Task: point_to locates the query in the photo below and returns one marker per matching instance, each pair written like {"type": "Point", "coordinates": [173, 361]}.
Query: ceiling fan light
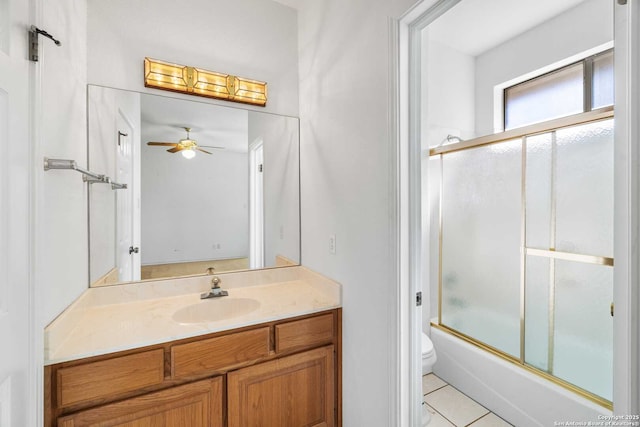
{"type": "Point", "coordinates": [188, 154]}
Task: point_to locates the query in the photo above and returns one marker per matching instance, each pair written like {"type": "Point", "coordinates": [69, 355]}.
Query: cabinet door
{"type": "Point", "coordinates": [197, 404]}
{"type": "Point", "coordinates": [293, 391]}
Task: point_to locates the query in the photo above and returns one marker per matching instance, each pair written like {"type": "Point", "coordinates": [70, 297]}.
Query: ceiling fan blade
{"type": "Point", "coordinates": [166, 144]}
{"type": "Point", "coordinates": [210, 146]}
{"type": "Point", "coordinates": [175, 149]}
{"type": "Point", "coordinates": [204, 151]}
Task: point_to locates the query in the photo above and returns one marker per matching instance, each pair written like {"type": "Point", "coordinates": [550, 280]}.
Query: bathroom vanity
{"type": "Point", "coordinates": [276, 365]}
{"type": "Point", "coordinates": [153, 353]}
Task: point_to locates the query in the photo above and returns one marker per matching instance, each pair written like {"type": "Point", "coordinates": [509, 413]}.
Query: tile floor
{"type": "Point", "coordinates": [451, 408]}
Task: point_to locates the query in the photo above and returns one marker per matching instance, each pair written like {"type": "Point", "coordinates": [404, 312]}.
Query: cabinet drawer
{"type": "Point", "coordinates": [304, 333]}
{"type": "Point", "coordinates": [196, 404]}
{"type": "Point", "coordinates": [109, 377]}
{"type": "Point", "coordinates": [220, 353]}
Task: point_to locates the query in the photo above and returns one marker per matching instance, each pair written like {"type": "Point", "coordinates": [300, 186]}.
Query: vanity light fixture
{"type": "Point", "coordinates": [196, 81]}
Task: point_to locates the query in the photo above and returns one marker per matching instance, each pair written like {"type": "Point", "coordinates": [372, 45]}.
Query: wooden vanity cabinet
{"type": "Point", "coordinates": [284, 373]}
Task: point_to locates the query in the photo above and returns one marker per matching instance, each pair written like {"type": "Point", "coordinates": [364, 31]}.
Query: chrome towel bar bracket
{"type": "Point", "coordinates": [87, 176]}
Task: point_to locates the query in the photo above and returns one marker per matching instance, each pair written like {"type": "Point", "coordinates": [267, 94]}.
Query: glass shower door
{"type": "Point", "coordinates": [481, 202]}
{"type": "Point", "coordinates": [526, 251]}
{"type": "Point", "coordinates": [569, 245]}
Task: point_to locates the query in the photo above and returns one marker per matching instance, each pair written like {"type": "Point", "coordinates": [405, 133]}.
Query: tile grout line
{"type": "Point", "coordinates": [477, 403]}
{"type": "Point", "coordinates": [424, 402]}
{"type": "Point", "coordinates": [442, 415]}
{"type": "Point", "coordinates": [444, 383]}
{"type": "Point", "coordinates": [448, 420]}
{"type": "Point", "coordinates": [435, 389]}
{"type": "Point", "coordinates": [478, 419]}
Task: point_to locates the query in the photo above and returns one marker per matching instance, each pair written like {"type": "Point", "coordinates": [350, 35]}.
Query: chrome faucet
{"type": "Point", "coordinates": [215, 291]}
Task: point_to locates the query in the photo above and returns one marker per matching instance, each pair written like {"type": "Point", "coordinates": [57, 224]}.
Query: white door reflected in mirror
{"type": "Point", "coordinates": [128, 263]}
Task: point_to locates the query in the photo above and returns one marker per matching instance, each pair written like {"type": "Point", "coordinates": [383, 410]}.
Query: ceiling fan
{"type": "Point", "coordinates": [187, 146]}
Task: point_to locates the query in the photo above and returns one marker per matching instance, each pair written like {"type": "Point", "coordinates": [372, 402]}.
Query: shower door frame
{"type": "Point", "coordinates": [522, 133]}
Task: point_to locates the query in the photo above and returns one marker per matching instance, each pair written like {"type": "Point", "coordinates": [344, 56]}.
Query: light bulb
{"type": "Point", "coordinates": [188, 154]}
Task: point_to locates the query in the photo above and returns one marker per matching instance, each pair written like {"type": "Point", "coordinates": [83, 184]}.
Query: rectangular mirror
{"type": "Point", "coordinates": [208, 186]}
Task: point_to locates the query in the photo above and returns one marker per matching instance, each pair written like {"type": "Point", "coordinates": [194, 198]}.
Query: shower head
{"type": "Point", "coordinates": [449, 139]}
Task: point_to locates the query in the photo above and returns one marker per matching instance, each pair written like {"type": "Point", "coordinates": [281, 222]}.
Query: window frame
{"type": "Point", "coordinates": [587, 84]}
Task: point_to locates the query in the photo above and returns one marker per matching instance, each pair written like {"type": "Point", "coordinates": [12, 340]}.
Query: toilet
{"type": "Point", "coordinates": [428, 355]}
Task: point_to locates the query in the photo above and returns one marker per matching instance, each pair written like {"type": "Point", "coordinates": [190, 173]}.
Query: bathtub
{"type": "Point", "coordinates": [517, 395]}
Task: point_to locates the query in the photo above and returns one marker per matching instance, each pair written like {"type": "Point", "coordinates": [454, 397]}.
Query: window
{"type": "Point", "coordinates": [575, 88]}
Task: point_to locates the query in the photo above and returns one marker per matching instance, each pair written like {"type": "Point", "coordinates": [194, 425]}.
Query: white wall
{"type": "Point", "coordinates": [249, 38]}
{"type": "Point", "coordinates": [448, 92]}
{"type": "Point", "coordinates": [347, 187]}
{"type": "Point", "coordinates": [281, 182]}
{"type": "Point", "coordinates": [61, 198]}
{"type": "Point", "coordinates": [584, 27]}
{"type": "Point", "coordinates": [193, 209]}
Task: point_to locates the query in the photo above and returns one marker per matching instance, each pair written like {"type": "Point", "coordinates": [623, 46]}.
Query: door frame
{"type": "Point", "coordinates": [405, 42]}
{"type": "Point", "coordinates": [626, 294]}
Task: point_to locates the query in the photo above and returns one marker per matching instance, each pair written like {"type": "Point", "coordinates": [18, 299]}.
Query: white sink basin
{"type": "Point", "coordinates": [213, 309]}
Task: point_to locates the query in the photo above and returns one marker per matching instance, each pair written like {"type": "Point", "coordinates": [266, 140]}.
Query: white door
{"type": "Point", "coordinates": [16, 409]}
{"type": "Point", "coordinates": [128, 255]}
{"type": "Point", "coordinates": [256, 206]}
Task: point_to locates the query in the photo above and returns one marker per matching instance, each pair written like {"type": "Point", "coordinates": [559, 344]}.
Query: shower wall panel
{"type": "Point", "coordinates": [583, 326]}
{"type": "Point", "coordinates": [538, 309]}
{"type": "Point", "coordinates": [584, 187]}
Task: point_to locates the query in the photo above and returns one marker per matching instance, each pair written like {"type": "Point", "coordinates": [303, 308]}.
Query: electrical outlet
{"type": "Point", "coordinates": [332, 243]}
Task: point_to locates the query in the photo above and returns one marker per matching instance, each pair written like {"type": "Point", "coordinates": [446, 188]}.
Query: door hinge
{"type": "Point", "coordinates": [611, 309]}
{"type": "Point", "coordinates": [133, 250]}
{"type": "Point", "coordinates": [33, 41]}
{"type": "Point", "coordinates": [418, 299]}
{"type": "Point", "coordinates": [260, 167]}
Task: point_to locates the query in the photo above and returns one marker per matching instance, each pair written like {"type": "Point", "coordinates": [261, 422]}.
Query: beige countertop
{"type": "Point", "coordinates": [115, 318]}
